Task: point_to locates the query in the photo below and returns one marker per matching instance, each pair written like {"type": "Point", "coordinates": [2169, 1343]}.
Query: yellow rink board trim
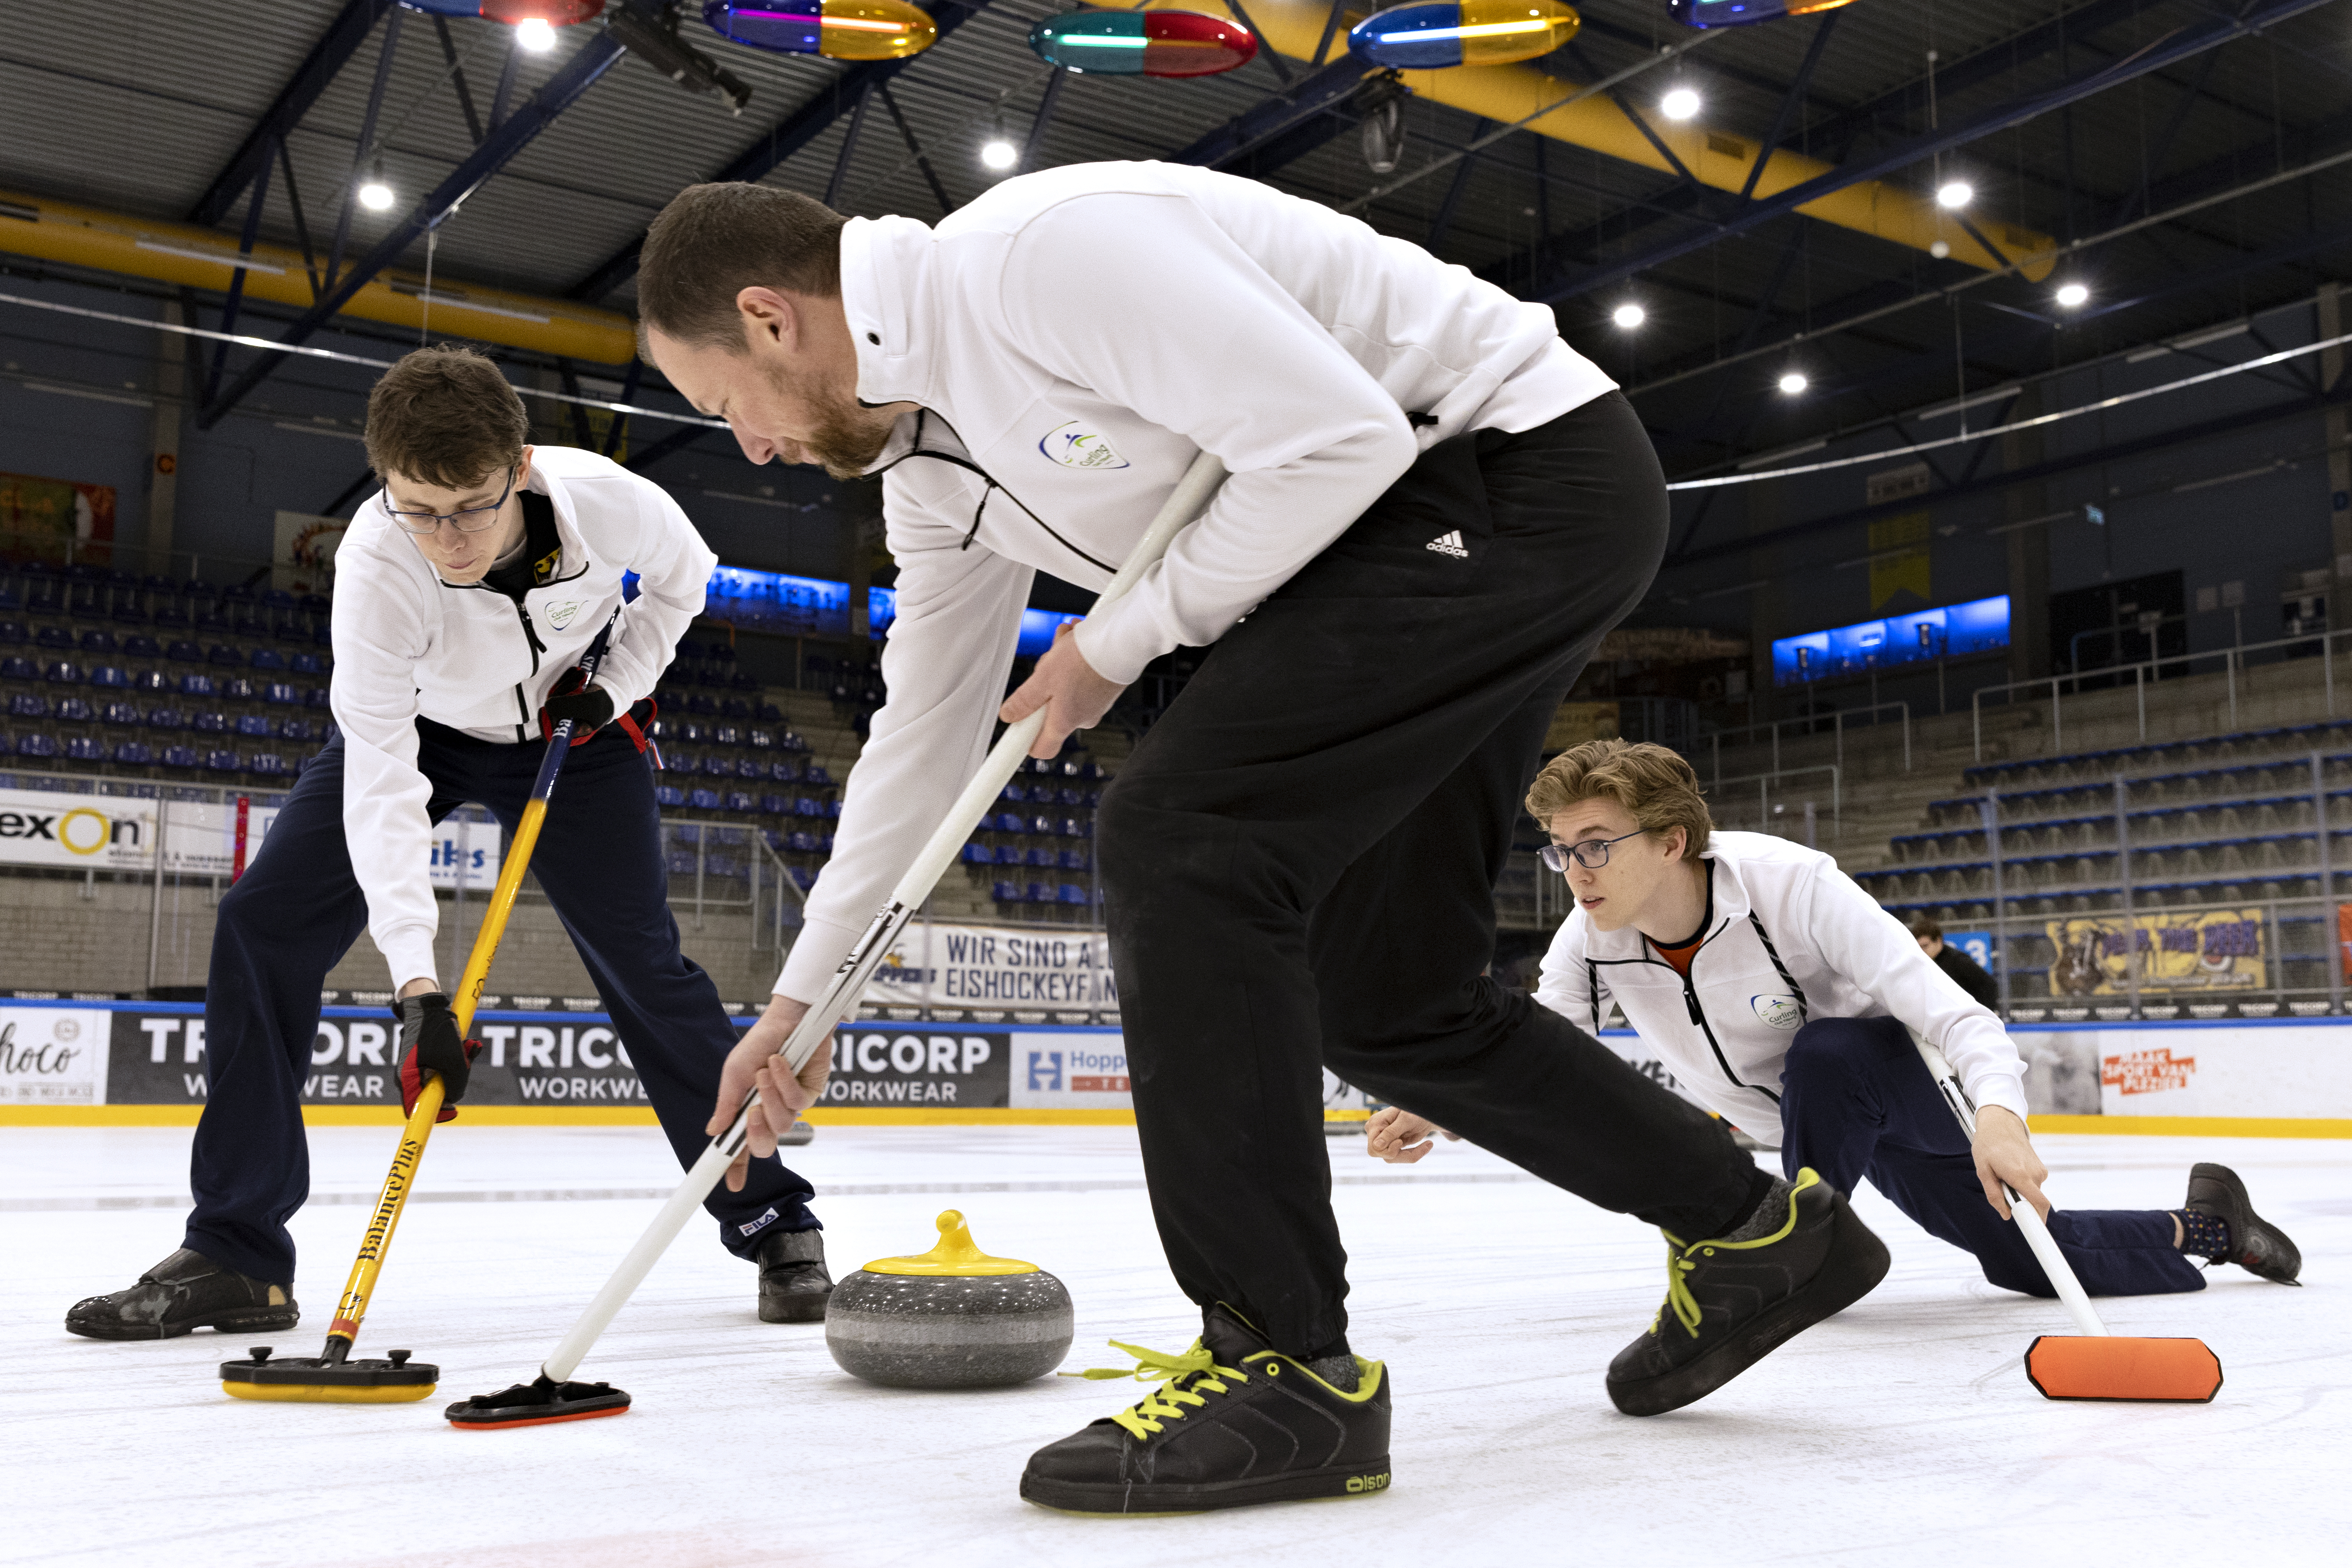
{"type": "Point", "coordinates": [974, 1116]}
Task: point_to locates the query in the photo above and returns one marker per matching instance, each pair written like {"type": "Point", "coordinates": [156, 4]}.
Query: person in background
{"type": "Point", "coordinates": [1965, 971]}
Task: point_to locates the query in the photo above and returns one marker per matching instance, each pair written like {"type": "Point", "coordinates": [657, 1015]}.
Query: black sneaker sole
{"type": "Point", "coordinates": [1118, 1499]}
{"type": "Point", "coordinates": [1857, 1261]}
{"type": "Point", "coordinates": [244, 1319]}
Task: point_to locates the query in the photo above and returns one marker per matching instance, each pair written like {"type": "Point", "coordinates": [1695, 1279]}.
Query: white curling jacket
{"type": "Point", "coordinates": [1076, 337]}
{"type": "Point", "coordinates": [408, 645]}
{"type": "Point", "coordinates": [1792, 938]}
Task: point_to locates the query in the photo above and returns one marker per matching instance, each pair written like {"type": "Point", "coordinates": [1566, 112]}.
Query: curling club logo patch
{"type": "Point", "coordinates": [562, 615]}
{"type": "Point", "coordinates": [1779, 1012]}
{"type": "Point", "coordinates": [1073, 446]}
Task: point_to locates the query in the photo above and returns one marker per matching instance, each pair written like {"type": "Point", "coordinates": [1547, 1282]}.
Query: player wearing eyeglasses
{"type": "Point", "coordinates": [467, 593]}
{"type": "Point", "coordinates": [1780, 996]}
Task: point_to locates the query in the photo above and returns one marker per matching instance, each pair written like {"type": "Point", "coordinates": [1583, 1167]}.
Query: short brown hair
{"type": "Point", "coordinates": [445, 416]}
{"type": "Point", "coordinates": [712, 242]}
{"type": "Point", "coordinates": [1924, 925]}
{"type": "Point", "coordinates": [1652, 782]}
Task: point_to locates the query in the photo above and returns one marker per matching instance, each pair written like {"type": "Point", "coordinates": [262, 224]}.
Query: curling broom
{"type": "Point", "coordinates": [331, 1376]}
{"type": "Point", "coordinates": [550, 1397]}
{"type": "Point", "coordinates": [2091, 1363]}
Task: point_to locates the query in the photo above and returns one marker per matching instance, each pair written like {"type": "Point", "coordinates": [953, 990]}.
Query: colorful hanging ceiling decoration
{"type": "Point", "coordinates": [555, 12]}
{"type": "Point", "coordinates": [1142, 43]}
{"type": "Point", "coordinates": [837, 29]}
{"type": "Point", "coordinates": [1472, 33]}
{"type": "Point", "coordinates": [1744, 13]}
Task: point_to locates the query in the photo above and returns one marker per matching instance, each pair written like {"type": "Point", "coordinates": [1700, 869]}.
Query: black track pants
{"type": "Point", "coordinates": [1300, 858]}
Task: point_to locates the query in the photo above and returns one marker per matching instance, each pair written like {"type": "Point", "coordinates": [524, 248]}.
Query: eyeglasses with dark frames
{"type": "Point", "coordinates": [471, 520]}
{"type": "Point", "coordinates": [1591, 854]}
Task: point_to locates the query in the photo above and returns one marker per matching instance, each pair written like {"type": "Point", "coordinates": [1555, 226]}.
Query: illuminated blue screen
{"type": "Point", "coordinates": [1950, 631]}
{"type": "Point", "coordinates": [814, 607]}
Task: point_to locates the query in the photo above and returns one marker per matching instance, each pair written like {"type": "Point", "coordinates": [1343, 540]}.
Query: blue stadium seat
{"type": "Point", "coordinates": [1011, 854]}
{"type": "Point", "coordinates": [1005, 891]}
{"type": "Point", "coordinates": [18, 669]}
{"type": "Point", "coordinates": [802, 878]}
{"type": "Point", "coordinates": [253, 724]}
{"type": "Point", "coordinates": [776, 805]}
{"type": "Point", "coordinates": [73, 710]}
{"type": "Point", "coordinates": [1041, 824]}
{"type": "Point", "coordinates": [1041, 892]}
{"type": "Point", "coordinates": [212, 723]}
{"type": "Point", "coordinates": [133, 754]}
{"type": "Point", "coordinates": [110, 675]}
{"type": "Point", "coordinates": [815, 774]}
{"type": "Point", "coordinates": [84, 748]}
{"type": "Point", "coordinates": [179, 756]}
{"type": "Point", "coordinates": [140, 647]}
{"type": "Point", "coordinates": [237, 689]}
{"type": "Point", "coordinates": [223, 654]}
{"type": "Point", "coordinates": [298, 729]}
{"type": "Point", "coordinates": [1073, 893]}
{"type": "Point", "coordinates": [1071, 828]}
{"type": "Point", "coordinates": [222, 762]}
{"type": "Point", "coordinates": [35, 744]}
{"type": "Point", "coordinates": [1041, 858]}
{"type": "Point", "coordinates": [1074, 860]}
{"type": "Point", "coordinates": [734, 707]}
{"type": "Point", "coordinates": [166, 718]}
{"type": "Point", "coordinates": [784, 771]}
{"type": "Point", "coordinates": [267, 764]}
{"type": "Point", "coordinates": [56, 637]}
{"type": "Point", "coordinates": [12, 634]}
{"type": "Point", "coordinates": [280, 693]}
{"type": "Point", "coordinates": [979, 854]}
{"type": "Point", "coordinates": [693, 733]}
{"type": "Point", "coordinates": [737, 800]}
{"type": "Point", "coordinates": [24, 704]}
{"type": "Point", "coordinates": [767, 713]}
{"type": "Point", "coordinates": [760, 740]}
{"type": "Point", "coordinates": [97, 642]}
{"type": "Point", "coordinates": [308, 664]}
{"type": "Point", "coordinates": [804, 807]}
{"type": "Point", "coordinates": [801, 844]}
{"type": "Point", "coordinates": [715, 765]}
{"type": "Point", "coordinates": [63, 674]}
{"type": "Point", "coordinates": [196, 686]}
{"type": "Point", "coordinates": [701, 707]}
{"type": "Point", "coordinates": [669, 795]}
{"type": "Point", "coordinates": [151, 681]}
{"type": "Point", "coordinates": [266, 659]}
{"type": "Point", "coordinates": [184, 653]}
{"type": "Point", "coordinates": [727, 735]}
{"type": "Point", "coordinates": [703, 800]}
{"type": "Point", "coordinates": [122, 714]}
{"type": "Point", "coordinates": [746, 768]}
{"type": "Point", "coordinates": [1015, 792]}
{"type": "Point", "coordinates": [316, 697]}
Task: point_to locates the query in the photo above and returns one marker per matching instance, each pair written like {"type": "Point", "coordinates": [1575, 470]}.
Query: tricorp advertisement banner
{"type": "Point", "coordinates": [946, 965]}
{"type": "Point", "coordinates": [922, 1067]}
{"type": "Point", "coordinates": [2174, 951]}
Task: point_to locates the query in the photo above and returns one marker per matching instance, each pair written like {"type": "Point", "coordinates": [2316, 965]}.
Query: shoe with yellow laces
{"type": "Point", "coordinates": [1233, 1422]}
{"type": "Point", "coordinates": [1731, 1301]}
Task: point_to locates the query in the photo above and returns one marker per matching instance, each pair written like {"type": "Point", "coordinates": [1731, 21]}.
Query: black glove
{"type": "Point", "coordinates": [589, 708]}
{"type": "Point", "coordinates": [429, 1043]}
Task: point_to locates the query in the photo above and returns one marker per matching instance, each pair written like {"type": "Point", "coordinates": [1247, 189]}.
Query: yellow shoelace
{"type": "Point", "coordinates": [1194, 1369]}
{"type": "Point", "coordinates": [1685, 1305]}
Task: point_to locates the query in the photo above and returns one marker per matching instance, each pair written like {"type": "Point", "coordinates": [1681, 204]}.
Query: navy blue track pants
{"type": "Point", "coordinates": [1856, 1100]}
{"type": "Point", "coordinates": [298, 908]}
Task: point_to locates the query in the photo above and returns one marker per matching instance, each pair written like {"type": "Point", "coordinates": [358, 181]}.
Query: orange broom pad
{"type": "Point", "coordinates": [2169, 1371]}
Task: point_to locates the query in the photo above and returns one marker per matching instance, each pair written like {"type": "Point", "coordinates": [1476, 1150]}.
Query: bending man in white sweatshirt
{"type": "Point", "coordinates": [1436, 510]}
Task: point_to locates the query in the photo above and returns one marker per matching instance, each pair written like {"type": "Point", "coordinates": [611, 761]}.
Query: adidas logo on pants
{"type": "Point", "coordinates": [1449, 544]}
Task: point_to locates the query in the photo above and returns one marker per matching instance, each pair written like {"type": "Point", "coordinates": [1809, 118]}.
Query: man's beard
{"type": "Point", "coordinates": [849, 439]}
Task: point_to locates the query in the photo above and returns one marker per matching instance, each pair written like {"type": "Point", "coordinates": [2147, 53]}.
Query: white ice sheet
{"type": "Point", "coordinates": [1902, 1431]}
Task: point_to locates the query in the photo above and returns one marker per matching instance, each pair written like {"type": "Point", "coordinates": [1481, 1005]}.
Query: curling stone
{"type": "Point", "coordinates": [953, 1317]}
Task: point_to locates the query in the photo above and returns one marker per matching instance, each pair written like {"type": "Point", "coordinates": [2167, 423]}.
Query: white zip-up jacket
{"type": "Point", "coordinates": [409, 646]}
{"type": "Point", "coordinates": [1077, 337]}
{"type": "Point", "coordinates": [1792, 938]}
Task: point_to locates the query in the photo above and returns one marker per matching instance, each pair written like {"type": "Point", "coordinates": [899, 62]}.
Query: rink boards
{"type": "Point", "coordinates": [143, 1063]}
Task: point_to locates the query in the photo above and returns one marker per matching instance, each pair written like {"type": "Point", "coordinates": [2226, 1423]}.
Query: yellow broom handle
{"type": "Point", "coordinates": [397, 1181]}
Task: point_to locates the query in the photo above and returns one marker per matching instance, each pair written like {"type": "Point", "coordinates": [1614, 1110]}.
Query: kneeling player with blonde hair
{"type": "Point", "coordinates": [1784, 998]}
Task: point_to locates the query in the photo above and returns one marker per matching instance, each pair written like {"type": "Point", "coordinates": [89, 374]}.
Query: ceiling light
{"type": "Point", "coordinates": [1629, 316]}
{"type": "Point", "coordinates": [536, 33]}
{"type": "Point", "coordinates": [1679, 104]}
{"type": "Point", "coordinates": [374, 195]}
{"type": "Point", "coordinates": [1955, 193]}
{"type": "Point", "coordinates": [1939, 250]}
{"type": "Point", "coordinates": [1793, 381]}
{"type": "Point", "coordinates": [999, 153]}
{"type": "Point", "coordinates": [2071, 295]}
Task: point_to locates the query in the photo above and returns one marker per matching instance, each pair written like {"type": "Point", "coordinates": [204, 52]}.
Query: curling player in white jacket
{"type": "Point", "coordinates": [1780, 996]}
{"type": "Point", "coordinates": [1435, 510]}
{"type": "Point", "coordinates": [467, 592]}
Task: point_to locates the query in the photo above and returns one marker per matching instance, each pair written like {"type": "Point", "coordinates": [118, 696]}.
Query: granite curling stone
{"type": "Point", "coordinates": [953, 1317]}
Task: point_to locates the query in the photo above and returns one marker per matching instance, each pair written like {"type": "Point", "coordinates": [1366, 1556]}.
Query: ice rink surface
{"type": "Point", "coordinates": [1901, 1432]}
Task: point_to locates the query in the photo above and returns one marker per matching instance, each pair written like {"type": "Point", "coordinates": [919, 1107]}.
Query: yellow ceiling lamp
{"type": "Point", "coordinates": [200, 258]}
{"type": "Point", "coordinates": [1508, 93]}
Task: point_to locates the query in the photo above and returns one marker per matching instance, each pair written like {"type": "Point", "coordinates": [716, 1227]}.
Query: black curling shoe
{"type": "Point", "coordinates": [1236, 1422]}
{"type": "Point", "coordinates": [187, 1291]}
{"type": "Point", "coordinates": [2256, 1244]}
{"type": "Point", "coordinates": [793, 1284]}
{"type": "Point", "coordinates": [1729, 1304]}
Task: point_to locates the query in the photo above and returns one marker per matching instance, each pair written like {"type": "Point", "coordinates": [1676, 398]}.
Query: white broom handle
{"type": "Point", "coordinates": [2029, 1223]}
{"type": "Point", "coordinates": [1184, 505]}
